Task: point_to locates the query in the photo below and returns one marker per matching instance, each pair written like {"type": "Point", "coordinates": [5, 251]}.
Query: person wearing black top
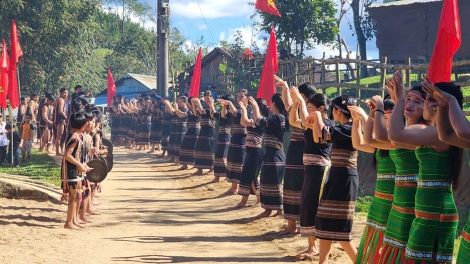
{"type": "Point", "coordinates": [13, 146]}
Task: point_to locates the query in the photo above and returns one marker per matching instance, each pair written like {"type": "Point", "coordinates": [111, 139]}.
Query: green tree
{"type": "Point", "coordinates": [304, 24]}
{"type": "Point", "coordinates": [363, 28]}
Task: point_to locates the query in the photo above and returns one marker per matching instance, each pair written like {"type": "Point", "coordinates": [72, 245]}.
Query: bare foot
{"type": "Point", "coordinates": [308, 254]}
{"type": "Point", "coordinates": [93, 212]}
{"type": "Point", "coordinates": [197, 173]}
{"type": "Point", "coordinates": [85, 220]}
{"type": "Point", "coordinates": [184, 167]}
{"type": "Point", "coordinates": [210, 171]}
{"type": "Point", "coordinates": [215, 180]}
{"type": "Point", "coordinates": [277, 214]}
{"type": "Point", "coordinates": [286, 231]}
{"type": "Point", "coordinates": [263, 214]}
{"type": "Point", "coordinates": [230, 192]}
{"type": "Point", "coordinates": [241, 205]}
{"type": "Point", "coordinates": [78, 225]}
{"type": "Point", "coordinates": [70, 226]}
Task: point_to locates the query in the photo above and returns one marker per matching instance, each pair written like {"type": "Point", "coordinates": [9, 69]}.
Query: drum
{"type": "Point", "coordinates": [109, 161]}
{"type": "Point", "coordinates": [99, 171]}
{"type": "Point", "coordinates": [106, 142]}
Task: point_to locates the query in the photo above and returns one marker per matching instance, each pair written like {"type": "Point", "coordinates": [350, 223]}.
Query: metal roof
{"type": "Point", "coordinates": [147, 81]}
{"type": "Point", "coordinates": [404, 2]}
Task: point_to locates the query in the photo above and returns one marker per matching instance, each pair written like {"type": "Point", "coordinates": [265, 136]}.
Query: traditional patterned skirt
{"type": "Point", "coordinates": [251, 168]}
{"type": "Point", "coordinates": [337, 205]}
{"type": "Point", "coordinates": [314, 176]}
{"type": "Point", "coordinates": [123, 125]}
{"type": "Point", "coordinates": [180, 131]}
{"type": "Point", "coordinates": [402, 213]}
{"type": "Point", "coordinates": [463, 257]}
{"type": "Point", "coordinates": [220, 157]}
{"type": "Point", "coordinates": [434, 227]}
{"type": "Point", "coordinates": [274, 166]}
{"type": "Point", "coordinates": [188, 146]}
{"type": "Point", "coordinates": [171, 139]}
{"type": "Point", "coordinates": [138, 136]}
{"type": "Point", "coordinates": [156, 132]}
{"type": "Point", "coordinates": [165, 134]}
{"type": "Point", "coordinates": [115, 127]}
{"type": "Point", "coordinates": [143, 137]}
{"type": "Point", "coordinates": [293, 180]}
{"type": "Point", "coordinates": [379, 211]}
{"type": "Point", "coordinates": [131, 134]}
{"type": "Point", "coordinates": [377, 218]}
{"type": "Point", "coordinates": [204, 156]}
{"type": "Point", "coordinates": [235, 157]}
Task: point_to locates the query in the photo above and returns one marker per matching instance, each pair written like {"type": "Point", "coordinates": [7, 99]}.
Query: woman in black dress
{"type": "Point", "coordinates": [224, 118]}
{"type": "Point", "coordinates": [188, 145]}
{"type": "Point", "coordinates": [294, 175]}
{"type": "Point", "coordinates": [204, 156]}
{"type": "Point", "coordinates": [254, 150]}
{"type": "Point", "coordinates": [166, 120]}
{"type": "Point", "coordinates": [338, 200]}
{"type": "Point", "coordinates": [156, 130]}
{"type": "Point", "coordinates": [274, 159]}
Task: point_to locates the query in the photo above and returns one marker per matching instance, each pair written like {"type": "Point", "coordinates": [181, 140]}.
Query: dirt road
{"type": "Point", "coordinates": [151, 213]}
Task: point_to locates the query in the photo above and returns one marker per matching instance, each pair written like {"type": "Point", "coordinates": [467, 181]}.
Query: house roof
{"type": "Point", "coordinates": [146, 80]}
{"type": "Point", "coordinates": [403, 3]}
{"type": "Point", "coordinates": [210, 57]}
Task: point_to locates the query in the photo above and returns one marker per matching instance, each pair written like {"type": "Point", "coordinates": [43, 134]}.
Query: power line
{"type": "Point", "coordinates": [200, 9]}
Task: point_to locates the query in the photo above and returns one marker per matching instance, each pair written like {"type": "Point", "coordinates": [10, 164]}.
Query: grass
{"type": "Point", "coordinates": [363, 204]}
{"type": "Point", "coordinates": [40, 167]}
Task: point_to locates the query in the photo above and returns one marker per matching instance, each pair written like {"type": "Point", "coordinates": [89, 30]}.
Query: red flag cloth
{"type": "Point", "coordinates": [267, 6]}
{"type": "Point", "coordinates": [267, 86]}
{"type": "Point", "coordinates": [4, 65]}
{"type": "Point", "coordinates": [196, 80]}
{"type": "Point", "coordinates": [15, 54]}
{"type": "Point", "coordinates": [111, 90]}
{"type": "Point", "coordinates": [247, 55]}
{"type": "Point", "coordinates": [447, 43]}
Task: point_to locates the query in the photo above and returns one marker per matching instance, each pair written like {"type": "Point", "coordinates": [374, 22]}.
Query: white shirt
{"type": "Point", "coordinates": [3, 137]}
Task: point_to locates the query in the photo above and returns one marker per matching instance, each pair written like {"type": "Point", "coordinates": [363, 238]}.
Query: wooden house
{"type": "Point", "coordinates": [210, 70]}
{"type": "Point", "coordinates": [408, 28]}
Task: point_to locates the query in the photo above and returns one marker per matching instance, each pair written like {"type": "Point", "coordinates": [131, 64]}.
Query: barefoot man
{"type": "Point", "coordinates": [60, 119]}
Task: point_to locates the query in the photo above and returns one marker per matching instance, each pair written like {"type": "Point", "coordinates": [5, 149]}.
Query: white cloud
{"type": "Point", "coordinates": [248, 36]}
{"type": "Point", "coordinates": [148, 24]}
{"type": "Point", "coordinates": [203, 27]}
{"type": "Point", "coordinates": [211, 8]}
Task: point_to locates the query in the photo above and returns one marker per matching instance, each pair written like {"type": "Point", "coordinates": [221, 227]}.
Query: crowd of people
{"type": "Point", "coordinates": [416, 138]}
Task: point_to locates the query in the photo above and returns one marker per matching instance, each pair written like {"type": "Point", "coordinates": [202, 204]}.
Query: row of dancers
{"type": "Point", "coordinates": [417, 140]}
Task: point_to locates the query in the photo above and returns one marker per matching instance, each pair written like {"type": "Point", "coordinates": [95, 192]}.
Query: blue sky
{"type": "Point", "coordinates": [225, 17]}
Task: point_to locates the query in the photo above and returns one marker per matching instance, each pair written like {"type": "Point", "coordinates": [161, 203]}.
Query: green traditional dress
{"type": "Point", "coordinates": [435, 225]}
{"type": "Point", "coordinates": [402, 212]}
{"type": "Point", "coordinates": [463, 257]}
{"type": "Point", "coordinates": [379, 210]}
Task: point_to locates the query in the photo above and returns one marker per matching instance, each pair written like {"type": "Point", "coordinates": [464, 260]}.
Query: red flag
{"type": "Point", "coordinates": [447, 43]}
{"type": "Point", "coordinates": [111, 91]}
{"type": "Point", "coordinates": [267, 6]}
{"type": "Point", "coordinates": [15, 54]}
{"type": "Point", "coordinates": [4, 65]}
{"type": "Point", "coordinates": [196, 80]}
{"type": "Point", "coordinates": [247, 55]}
{"type": "Point", "coordinates": [267, 86]}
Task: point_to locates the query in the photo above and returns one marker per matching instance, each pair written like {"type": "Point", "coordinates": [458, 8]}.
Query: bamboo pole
{"type": "Point", "coordinates": [408, 72]}
{"type": "Point", "coordinates": [358, 77]}
{"type": "Point", "coordinates": [338, 79]}
{"type": "Point", "coordinates": [383, 76]}
{"type": "Point", "coordinates": [323, 74]}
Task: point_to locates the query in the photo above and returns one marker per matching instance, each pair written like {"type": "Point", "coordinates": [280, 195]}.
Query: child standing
{"type": "Point", "coordinates": [73, 166]}
{"type": "Point", "coordinates": [14, 146]}
{"type": "Point", "coordinates": [26, 137]}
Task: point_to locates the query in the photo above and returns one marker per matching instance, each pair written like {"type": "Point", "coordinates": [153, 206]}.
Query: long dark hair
{"type": "Point", "coordinates": [455, 153]}
{"type": "Point", "coordinates": [307, 89]}
{"type": "Point", "coordinates": [277, 100]}
{"type": "Point", "coordinates": [342, 102]}
{"type": "Point", "coordinates": [383, 153]}
{"type": "Point", "coordinates": [319, 100]}
{"type": "Point", "coordinates": [263, 107]}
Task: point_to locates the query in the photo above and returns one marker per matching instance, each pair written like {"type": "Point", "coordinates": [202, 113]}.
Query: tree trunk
{"type": "Point", "coordinates": [361, 38]}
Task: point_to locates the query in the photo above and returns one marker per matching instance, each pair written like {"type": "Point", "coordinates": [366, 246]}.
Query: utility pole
{"type": "Point", "coordinates": [163, 34]}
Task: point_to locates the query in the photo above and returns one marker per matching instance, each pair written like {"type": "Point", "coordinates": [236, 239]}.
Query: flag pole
{"type": "Point", "coordinates": [11, 136]}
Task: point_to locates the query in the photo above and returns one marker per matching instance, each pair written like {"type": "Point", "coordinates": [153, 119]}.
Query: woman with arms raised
{"type": "Point", "coordinates": [338, 200]}
{"type": "Point", "coordinates": [294, 175]}
{"type": "Point", "coordinates": [316, 160]}
{"type": "Point", "coordinates": [432, 234]}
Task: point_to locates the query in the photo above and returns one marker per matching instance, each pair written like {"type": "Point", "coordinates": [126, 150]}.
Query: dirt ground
{"type": "Point", "coordinates": [151, 213]}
